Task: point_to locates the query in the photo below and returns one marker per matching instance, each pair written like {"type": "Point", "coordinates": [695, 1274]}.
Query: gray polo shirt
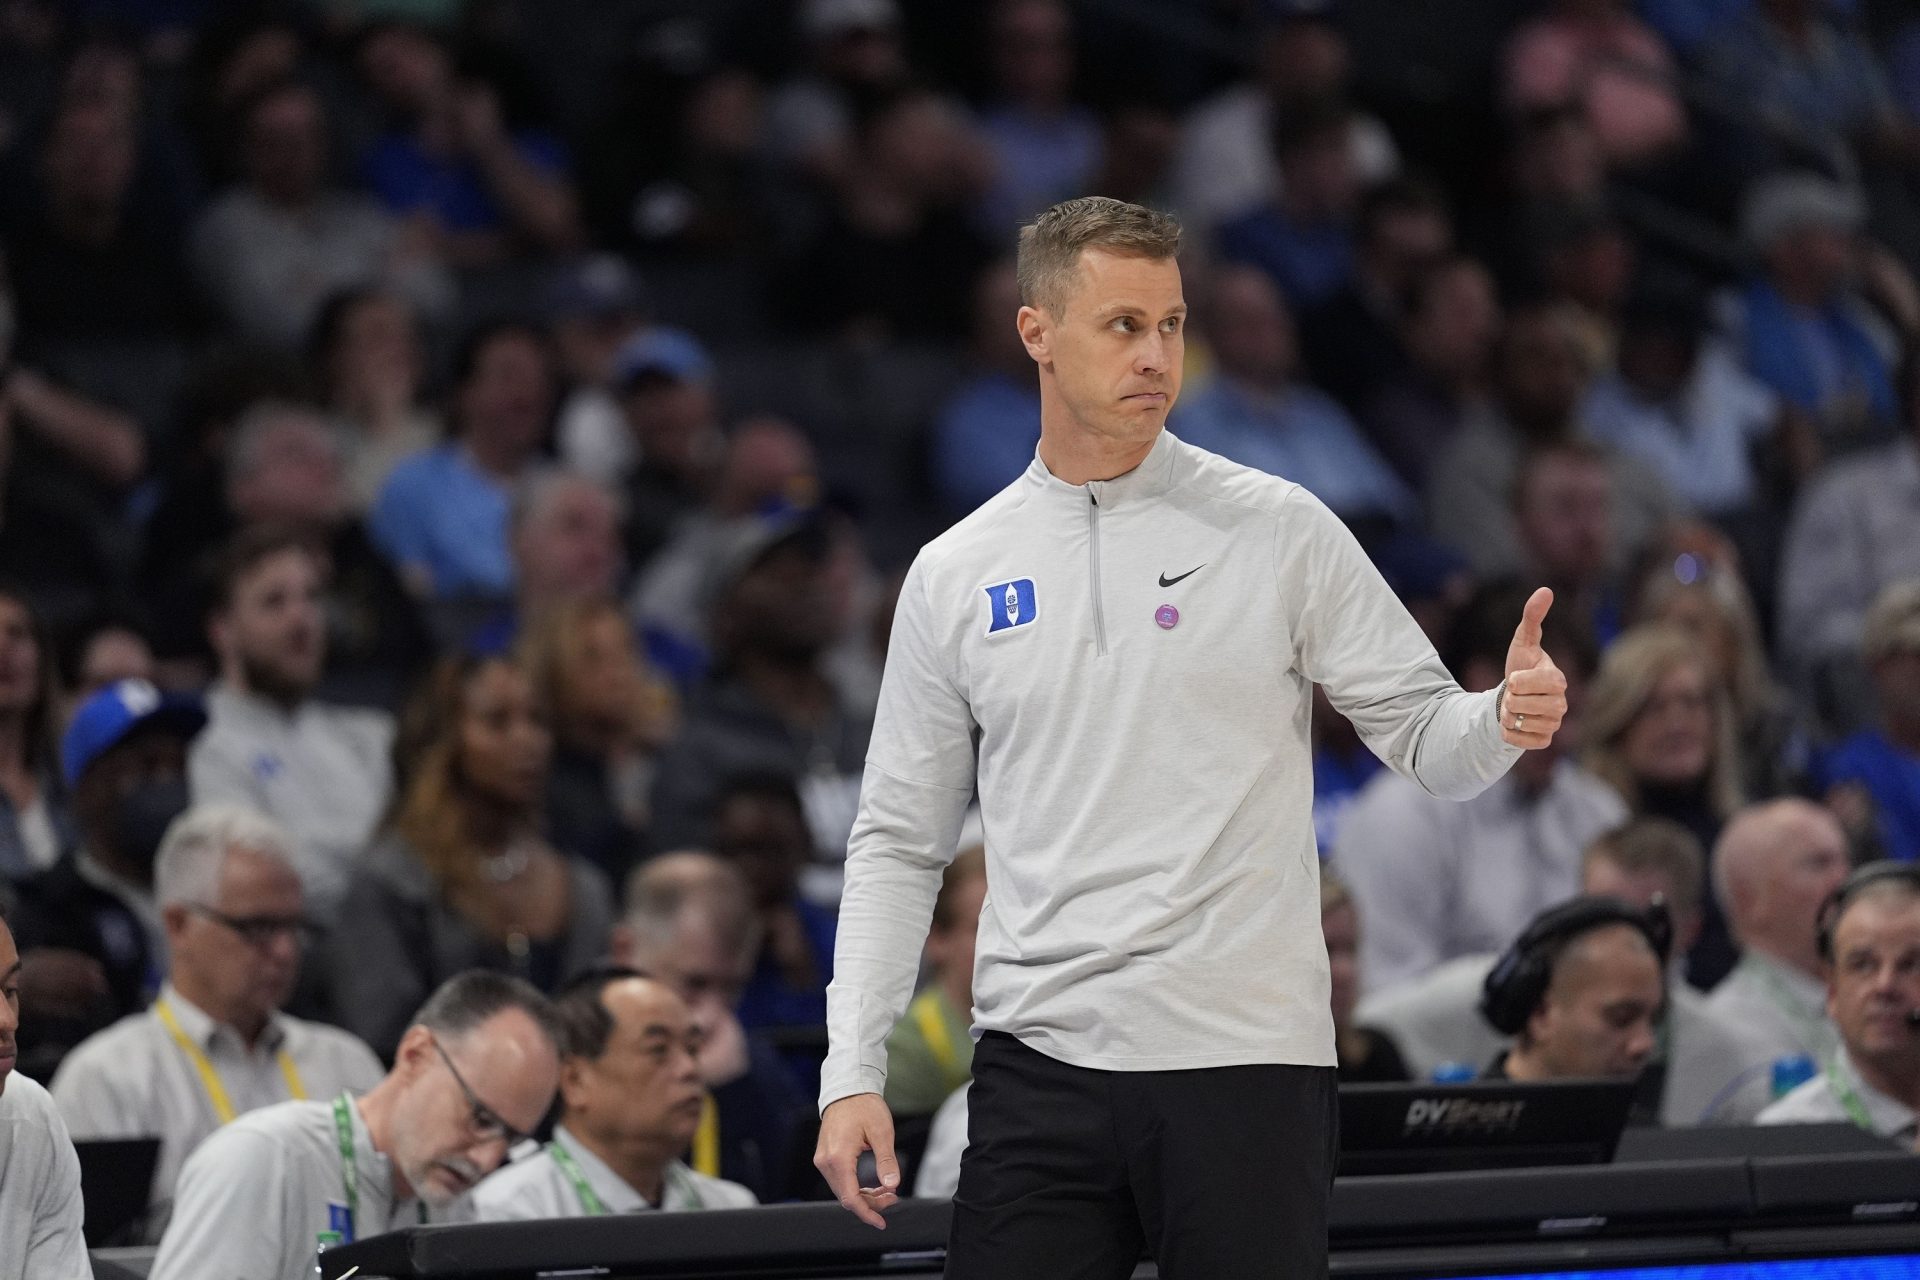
{"type": "Point", "coordinates": [40, 1209]}
{"type": "Point", "coordinates": [324, 773]}
{"type": "Point", "coordinates": [254, 1198]}
{"type": "Point", "coordinates": [537, 1187]}
{"type": "Point", "coordinates": [1778, 1004]}
{"type": "Point", "coordinates": [1820, 1101]}
{"type": "Point", "coordinates": [134, 1080]}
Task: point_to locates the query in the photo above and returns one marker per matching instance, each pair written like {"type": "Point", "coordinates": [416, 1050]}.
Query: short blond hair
{"type": "Point", "coordinates": [1050, 245]}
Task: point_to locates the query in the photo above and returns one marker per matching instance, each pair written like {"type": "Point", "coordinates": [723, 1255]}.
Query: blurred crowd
{"type": "Point", "coordinates": [485, 438]}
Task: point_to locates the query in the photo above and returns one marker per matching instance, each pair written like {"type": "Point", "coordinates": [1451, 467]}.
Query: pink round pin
{"type": "Point", "coordinates": [1167, 616]}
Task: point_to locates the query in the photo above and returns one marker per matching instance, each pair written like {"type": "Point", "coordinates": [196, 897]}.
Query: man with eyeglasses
{"type": "Point", "coordinates": [472, 1076]}
{"type": "Point", "coordinates": [215, 1045]}
{"type": "Point", "coordinates": [630, 1096]}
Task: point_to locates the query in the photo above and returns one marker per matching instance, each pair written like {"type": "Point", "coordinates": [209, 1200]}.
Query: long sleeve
{"type": "Point", "coordinates": [58, 1247]}
{"type": "Point", "coordinates": [919, 778]}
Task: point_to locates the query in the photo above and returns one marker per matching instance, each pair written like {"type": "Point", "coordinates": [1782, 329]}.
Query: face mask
{"type": "Point", "coordinates": [144, 814]}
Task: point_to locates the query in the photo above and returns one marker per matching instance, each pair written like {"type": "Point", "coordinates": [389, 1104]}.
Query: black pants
{"type": "Point", "coordinates": [1072, 1174]}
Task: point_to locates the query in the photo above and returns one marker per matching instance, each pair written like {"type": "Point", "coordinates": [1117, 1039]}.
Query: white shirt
{"type": "Point", "coordinates": [325, 773]}
{"type": "Point", "coordinates": [537, 1187]}
{"type": "Point", "coordinates": [939, 1174]}
{"type": "Point", "coordinates": [1784, 1007]}
{"type": "Point", "coordinates": [134, 1080]}
{"type": "Point", "coordinates": [1700, 442]}
{"type": "Point", "coordinates": [1146, 789]}
{"type": "Point", "coordinates": [253, 1200]}
{"type": "Point", "coordinates": [40, 1207]}
{"type": "Point", "coordinates": [1818, 1101]}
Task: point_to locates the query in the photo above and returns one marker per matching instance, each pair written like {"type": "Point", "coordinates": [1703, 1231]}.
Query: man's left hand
{"type": "Point", "coordinates": [1536, 697]}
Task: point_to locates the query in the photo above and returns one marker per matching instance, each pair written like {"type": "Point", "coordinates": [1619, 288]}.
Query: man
{"type": "Point", "coordinates": [473, 1074]}
{"type": "Point", "coordinates": [1563, 514]}
{"type": "Point", "coordinates": [1435, 880]}
{"type": "Point", "coordinates": [1876, 772]}
{"type": "Point", "coordinates": [664, 378]}
{"type": "Point", "coordinates": [215, 1045]}
{"type": "Point", "coordinates": [88, 928]}
{"type": "Point", "coordinates": [690, 922]}
{"type": "Point", "coordinates": [1150, 966]}
{"type": "Point", "coordinates": [40, 1206]}
{"type": "Point", "coordinates": [985, 430]}
{"type": "Point", "coordinates": [1870, 938]}
{"type": "Point", "coordinates": [630, 1102]}
{"type": "Point", "coordinates": [323, 772]}
{"type": "Point", "coordinates": [930, 1054]}
{"type": "Point", "coordinates": [564, 536]}
{"type": "Point", "coordinates": [1772, 868]}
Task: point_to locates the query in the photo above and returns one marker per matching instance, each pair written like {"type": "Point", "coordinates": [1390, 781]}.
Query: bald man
{"type": "Point", "coordinates": [1774, 865]}
{"type": "Point", "coordinates": [1598, 1017]}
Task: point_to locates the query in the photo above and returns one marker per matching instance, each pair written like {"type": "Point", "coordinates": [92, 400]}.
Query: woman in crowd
{"type": "Point", "coordinates": [367, 354]}
{"type": "Point", "coordinates": [34, 825]}
{"type": "Point", "coordinates": [462, 876]}
{"type": "Point", "coordinates": [1366, 1055]}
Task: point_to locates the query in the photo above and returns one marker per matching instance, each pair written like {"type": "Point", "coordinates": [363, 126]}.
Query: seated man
{"type": "Point", "coordinates": [475, 1072]}
{"type": "Point", "coordinates": [630, 1101]}
{"type": "Point", "coordinates": [40, 1209]}
{"type": "Point", "coordinates": [930, 1053]}
{"type": "Point", "coordinates": [1870, 941]}
{"type": "Point", "coordinates": [215, 1045]}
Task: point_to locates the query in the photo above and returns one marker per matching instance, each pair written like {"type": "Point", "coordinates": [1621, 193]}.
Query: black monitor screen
{"type": "Point", "coordinates": [1483, 1124]}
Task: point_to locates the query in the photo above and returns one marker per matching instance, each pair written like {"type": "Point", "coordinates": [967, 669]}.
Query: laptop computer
{"type": "Point", "coordinates": [116, 1180]}
{"type": "Point", "coordinates": [1480, 1124]}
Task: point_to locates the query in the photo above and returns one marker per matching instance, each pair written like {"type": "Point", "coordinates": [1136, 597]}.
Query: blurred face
{"type": "Point", "coordinates": [19, 658]}
{"type": "Point", "coordinates": [1693, 608]}
{"type": "Point", "coordinates": [1896, 679]}
{"type": "Point", "coordinates": [1342, 929]}
{"type": "Point", "coordinates": [675, 422]}
{"type": "Point", "coordinates": [1876, 976]}
{"type": "Point", "coordinates": [379, 346]}
{"type": "Point", "coordinates": [601, 677]}
{"type": "Point", "coordinates": [1565, 517]}
{"type": "Point", "coordinates": [701, 969]}
{"type": "Point", "coordinates": [1405, 240]}
{"type": "Point", "coordinates": [588, 343]}
{"type": "Point", "coordinates": [1564, 160]}
{"type": "Point", "coordinates": [1115, 350]}
{"type": "Point", "coordinates": [407, 70]}
{"type": "Point", "coordinates": [783, 605]}
{"type": "Point", "coordinates": [504, 741]}
{"type": "Point", "coordinates": [446, 1137]}
{"type": "Point", "coordinates": [918, 141]}
{"type": "Point", "coordinates": [1656, 363]}
{"type": "Point", "coordinates": [1321, 181]}
{"type": "Point", "coordinates": [645, 1088]}
{"type": "Point", "coordinates": [128, 796]}
{"type": "Point", "coordinates": [111, 656]}
{"type": "Point", "coordinates": [242, 952]}
{"type": "Point", "coordinates": [570, 548]}
{"type": "Point", "coordinates": [950, 945]}
{"type": "Point", "coordinates": [1253, 336]}
{"type": "Point", "coordinates": [1817, 259]}
{"type": "Point", "coordinates": [9, 1004]}
{"type": "Point", "coordinates": [286, 146]}
{"type": "Point", "coordinates": [1606, 878]}
{"type": "Point", "coordinates": [767, 839]}
{"type": "Point", "coordinates": [1808, 859]}
{"type": "Point", "coordinates": [90, 157]}
{"type": "Point", "coordinates": [505, 401]}
{"type": "Point", "coordinates": [1033, 51]}
{"type": "Point", "coordinates": [1305, 61]}
{"type": "Point", "coordinates": [1601, 1009]}
{"type": "Point", "coordinates": [865, 56]}
{"type": "Point", "coordinates": [1670, 741]}
{"type": "Point", "coordinates": [767, 460]}
{"type": "Point", "coordinates": [1542, 375]}
{"type": "Point", "coordinates": [295, 478]}
{"type": "Point", "coordinates": [275, 630]}
{"type": "Point", "coordinates": [1453, 333]}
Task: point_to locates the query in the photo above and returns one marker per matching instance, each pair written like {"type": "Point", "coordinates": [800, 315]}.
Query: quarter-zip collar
{"type": "Point", "coordinates": [1153, 477]}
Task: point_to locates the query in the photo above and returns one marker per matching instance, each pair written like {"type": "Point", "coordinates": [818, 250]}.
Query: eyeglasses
{"type": "Point", "coordinates": [261, 931]}
{"type": "Point", "coordinates": [486, 1122]}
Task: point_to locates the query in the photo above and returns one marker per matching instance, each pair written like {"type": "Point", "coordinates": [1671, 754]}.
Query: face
{"type": "Point", "coordinates": [950, 945]}
{"type": "Point", "coordinates": [1601, 1010]}
{"type": "Point", "coordinates": [1342, 929]}
{"type": "Point", "coordinates": [1670, 741]}
{"type": "Point", "coordinates": [767, 839]}
{"type": "Point", "coordinates": [445, 1141]}
{"type": "Point", "coordinates": [1452, 334]}
{"type": "Point", "coordinates": [1116, 348]}
{"type": "Point", "coordinates": [111, 656]}
{"type": "Point", "coordinates": [1606, 878]}
{"type": "Point", "coordinates": [504, 740]}
{"type": "Point", "coordinates": [1405, 240]}
{"type": "Point", "coordinates": [1321, 180]}
{"type": "Point", "coordinates": [286, 145]}
{"type": "Point", "coordinates": [274, 629]}
{"type": "Point", "coordinates": [674, 422]}
{"type": "Point", "coordinates": [1541, 372]}
{"type": "Point", "coordinates": [1594, 269]}
{"type": "Point", "coordinates": [9, 1004]}
{"type": "Point", "coordinates": [1033, 51]}
{"type": "Point", "coordinates": [645, 1088]}
{"type": "Point", "coordinates": [1657, 363]}
{"type": "Point", "coordinates": [379, 345]}
{"type": "Point", "coordinates": [1808, 859]}
{"type": "Point", "coordinates": [600, 678]}
{"type": "Point", "coordinates": [1896, 681]}
{"type": "Point", "coordinates": [407, 69]}
{"type": "Point", "coordinates": [1821, 257]}
{"type": "Point", "coordinates": [570, 549]}
{"type": "Point", "coordinates": [90, 157]}
{"type": "Point", "coordinates": [1875, 978]}
{"type": "Point", "coordinates": [19, 657]}
{"type": "Point", "coordinates": [783, 604]}
{"type": "Point", "coordinates": [245, 951]}
{"type": "Point", "coordinates": [700, 967]}
{"type": "Point", "coordinates": [505, 400]}
{"type": "Point", "coordinates": [1693, 608]}
{"type": "Point", "coordinates": [1306, 61]}
{"type": "Point", "coordinates": [295, 478]}
{"type": "Point", "coordinates": [767, 460]}
{"type": "Point", "coordinates": [128, 796]}
{"type": "Point", "coordinates": [1253, 336]}
{"type": "Point", "coordinates": [1565, 517]}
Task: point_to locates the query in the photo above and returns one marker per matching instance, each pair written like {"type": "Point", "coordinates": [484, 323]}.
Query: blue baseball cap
{"type": "Point", "coordinates": [115, 713]}
{"type": "Point", "coordinates": [673, 352]}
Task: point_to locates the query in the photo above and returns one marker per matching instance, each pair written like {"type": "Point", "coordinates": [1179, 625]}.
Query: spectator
{"type": "Point", "coordinates": [1254, 412]}
{"type": "Point", "coordinates": [1582, 257]}
{"type": "Point", "coordinates": [100, 648]}
{"type": "Point", "coordinates": [930, 1053]}
{"type": "Point", "coordinates": [1595, 55]}
{"type": "Point", "coordinates": [215, 1045]}
{"type": "Point", "coordinates": [664, 378]}
{"type": "Point", "coordinates": [1367, 1054]}
{"type": "Point", "coordinates": [630, 1102]}
{"type": "Point", "coordinates": [442, 517]}
{"type": "Point", "coordinates": [40, 1206]}
{"type": "Point", "coordinates": [1869, 931]}
{"type": "Point", "coordinates": [985, 434]}
{"type": "Point", "coordinates": [690, 921]}
{"type": "Point", "coordinates": [1659, 730]}
{"type": "Point", "coordinates": [88, 928]}
{"type": "Point", "coordinates": [1563, 505]}
{"type": "Point", "coordinates": [1773, 868]}
{"type": "Point", "coordinates": [473, 186]}
{"type": "Point", "coordinates": [564, 536]}
{"type": "Point", "coordinates": [1044, 147]}
{"type": "Point", "coordinates": [461, 878]}
{"type": "Point", "coordinates": [1875, 774]}
{"type": "Point", "coordinates": [35, 825]}
{"type": "Point", "coordinates": [322, 772]}
{"type": "Point", "coordinates": [1435, 879]}
{"type": "Point", "coordinates": [854, 54]}
{"type": "Point", "coordinates": [610, 718]}
{"type": "Point", "coordinates": [474, 1073]}
{"type": "Point", "coordinates": [1449, 331]}
{"type": "Point", "coordinates": [1303, 238]}
{"type": "Point", "coordinates": [595, 308]}
{"type": "Point", "coordinates": [370, 362]}
{"type": "Point", "coordinates": [271, 250]}
{"type": "Point", "coordinates": [1354, 340]}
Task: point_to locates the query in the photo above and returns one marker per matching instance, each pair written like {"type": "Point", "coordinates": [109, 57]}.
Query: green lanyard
{"type": "Point", "coordinates": [349, 1171]}
{"type": "Point", "coordinates": [1847, 1096]}
{"type": "Point", "coordinates": [590, 1202]}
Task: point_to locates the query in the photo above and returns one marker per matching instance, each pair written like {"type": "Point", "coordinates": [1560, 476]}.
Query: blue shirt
{"type": "Point", "coordinates": [1039, 160]}
{"type": "Point", "coordinates": [1309, 261]}
{"type": "Point", "coordinates": [1891, 776]}
{"type": "Point", "coordinates": [440, 514]}
{"type": "Point", "coordinates": [408, 179]}
{"type": "Point", "coordinates": [984, 437]}
{"type": "Point", "coordinates": [1834, 84]}
{"type": "Point", "coordinates": [1300, 435]}
{"type": "Point", "coordinates": [1822, 361]}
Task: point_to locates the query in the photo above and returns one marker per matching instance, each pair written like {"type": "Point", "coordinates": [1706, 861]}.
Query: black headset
{"type": "Point", "coordinates": [1518, 980]}
{"type": "Point", "coordinates": [1835, 906]}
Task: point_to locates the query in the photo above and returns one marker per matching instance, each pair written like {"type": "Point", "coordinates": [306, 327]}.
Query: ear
{"type": "Point", "coordinates": [414, 1053]}
{"type": "Point", "coordinates": [573, 1084]}
{"type": "Point", "coordinates": [1036, 333]}
{"type": "Point", "coordinates": [620, 946]}
{"type": "Point", "coordinates": [174, 918]}
{"type": "Point", "coordinates": [219, 630]}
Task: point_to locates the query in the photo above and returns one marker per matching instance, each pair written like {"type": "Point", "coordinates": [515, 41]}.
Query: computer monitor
{"type": "Point", "coordinates": [116, 1180]}
{"type": "Point", "coordinates": [1481, 1124]}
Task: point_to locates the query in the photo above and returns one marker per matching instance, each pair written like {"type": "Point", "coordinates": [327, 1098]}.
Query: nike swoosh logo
{"type": "Point", "coordinates": [1165, 581]}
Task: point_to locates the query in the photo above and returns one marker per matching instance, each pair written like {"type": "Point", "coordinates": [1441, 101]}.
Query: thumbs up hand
{"type": "Point", "coordinates": [1536, 698]}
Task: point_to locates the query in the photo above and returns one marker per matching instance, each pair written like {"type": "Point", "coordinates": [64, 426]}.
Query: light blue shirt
{"type": "Point", "coordinates": [984, 438]}
{"type": "Point", "coordinates": [440, 514]}
{"type": "Point", "coordinates": [1701, 441]}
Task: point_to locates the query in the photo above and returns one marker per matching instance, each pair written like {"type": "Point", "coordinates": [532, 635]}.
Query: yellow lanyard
{"type": "Point", "coordinates": [209, 1078]}
{"type": "Point", "coordinates": [926, 1016]}
{"type": "Point", "coordinates": [706, 1139]}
